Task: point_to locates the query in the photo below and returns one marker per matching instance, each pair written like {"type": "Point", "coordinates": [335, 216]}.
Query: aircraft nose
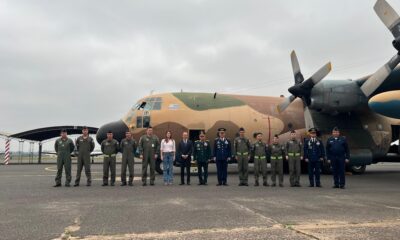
{"type": "Point", "coordinates": [118, 128]}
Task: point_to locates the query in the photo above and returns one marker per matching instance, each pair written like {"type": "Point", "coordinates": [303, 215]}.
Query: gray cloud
{"type": "Point", "coordinates": [87, 62]}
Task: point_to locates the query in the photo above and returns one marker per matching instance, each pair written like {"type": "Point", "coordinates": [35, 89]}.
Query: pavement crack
{"type": "Point", "coordinates": [248, 210]}
{"type": "Point", "coordinates": [298, 231]}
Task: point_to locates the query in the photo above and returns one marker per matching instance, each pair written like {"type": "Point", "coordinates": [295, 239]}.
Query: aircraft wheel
{"type": "Point", "coordinates": [358, 169]}
{"type": "Point", "coordinates": [159, 166]}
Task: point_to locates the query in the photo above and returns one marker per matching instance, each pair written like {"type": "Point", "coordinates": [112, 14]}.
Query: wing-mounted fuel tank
{"type": "Point", "coordinates": [337, 96]}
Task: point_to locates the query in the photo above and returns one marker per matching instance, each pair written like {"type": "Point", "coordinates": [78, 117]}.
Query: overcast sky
{"type": "Point", "coordinates": [88, 62]}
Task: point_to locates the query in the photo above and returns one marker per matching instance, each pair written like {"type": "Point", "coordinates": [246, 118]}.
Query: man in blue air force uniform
{"type": "Point", "coordinates": [314, 154]}
{"type": "Point", "coordinates": [338, 154]}
{"type": "Point", "coordinates": [222, 154]}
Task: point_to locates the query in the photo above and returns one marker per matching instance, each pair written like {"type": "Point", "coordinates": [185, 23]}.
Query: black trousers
{"type": "Point", "coordinates": [187, 167]}
{"type": "Point", "coordinates": [222, 170]}
{"type": "Point", "coordinates": [338, 169]}
{"type": "Point", "coordinates": [203, 172]}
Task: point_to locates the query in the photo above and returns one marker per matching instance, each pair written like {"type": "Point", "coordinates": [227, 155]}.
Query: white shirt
{"type": "Point", "coordinates": [167, 146]}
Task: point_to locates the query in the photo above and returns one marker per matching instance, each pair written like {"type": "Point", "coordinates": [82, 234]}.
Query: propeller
{"type": "Point", "coordinates": [301, 88]}
{"type": "Point", "coordinates": [391, 19]}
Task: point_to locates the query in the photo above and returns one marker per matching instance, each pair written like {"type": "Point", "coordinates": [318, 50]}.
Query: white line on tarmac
{"type": "Point", "coordinates": [397, 208]}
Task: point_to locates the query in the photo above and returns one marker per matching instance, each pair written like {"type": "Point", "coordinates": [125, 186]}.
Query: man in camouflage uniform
{"type": "Point", "coordinates": [294, 154]}
{"type": "Point", "coordinates": [84, 146]}
{"type": "Point", "coordinates": [202, 155]}
{"type": "Point", "coordinates": [241, 148]}
{"type": "Point", "coordinates": [277, 153]}
{"type": "Point", "coordinates": [128, 149]}
{"type": "Point", "coordinates": [149, 148]}
{"type": "Point", "coordinates": [63, 146]}
{"type": "Point", "coordinates": [259, 153]}
{"type": "Point", "coordinates": [109, 147]}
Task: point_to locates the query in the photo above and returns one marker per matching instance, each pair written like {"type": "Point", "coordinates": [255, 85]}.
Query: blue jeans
{"type": "Point", "coordinates": [168, 167]}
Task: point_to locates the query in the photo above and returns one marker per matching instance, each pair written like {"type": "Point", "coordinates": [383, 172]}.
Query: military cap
{"type": "Point", "coordinates": [335, 129]}
{"type": "Point", "coordinates": [221, 129]}
{"type": "Point", "coordinates": [63, 130]}
{"type": "Point", "coordinates": [276, 135]}
{"type": "Point", "coordinates": [312, 130]}
{"type": "Point", "coordinates": [241, 129]}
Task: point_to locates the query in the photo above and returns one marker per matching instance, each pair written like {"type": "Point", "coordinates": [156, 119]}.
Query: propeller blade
{"type": "Point", "coordinates": [376, 79]}
{"type": "Point", "coordinates": [283, 105]}
{"type": "Point", "coordinates": [298, 77]}
{"type": "Point", "coordinates": [388, 16]}
{"type": "Point", "coordinates": [321, 73]}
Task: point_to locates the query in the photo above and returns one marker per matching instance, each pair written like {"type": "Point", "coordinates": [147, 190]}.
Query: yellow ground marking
{"type": "Point", "coordinates": [303, 229]}
{"type": "Point", "coordinates": [68, 231]}
{"type": "Point", "coordinates": [175, 234]}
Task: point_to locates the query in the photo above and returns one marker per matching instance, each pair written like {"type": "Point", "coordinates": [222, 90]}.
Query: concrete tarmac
{"type": "Point", "coordinates": [30, 208]}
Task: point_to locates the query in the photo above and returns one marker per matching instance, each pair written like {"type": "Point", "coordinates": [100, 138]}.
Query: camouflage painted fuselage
{"type": "Point", "coordinates": [178, 112]}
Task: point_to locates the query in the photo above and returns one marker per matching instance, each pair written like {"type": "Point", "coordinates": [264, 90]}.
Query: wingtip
{"type": "Point", "coordinates": [379, 2]}
{"type": "Point", "coordinates": [329, 66]}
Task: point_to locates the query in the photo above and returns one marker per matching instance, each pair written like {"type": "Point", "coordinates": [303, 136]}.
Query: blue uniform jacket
{"type": "Point", "coordinates": [337, 148]}
{"type": "Point", "coordinates": [313, 151]}
{"type": "Point", "coordinates": [222, 149]}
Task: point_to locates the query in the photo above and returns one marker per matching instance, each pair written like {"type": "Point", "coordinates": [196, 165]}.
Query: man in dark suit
{"type": "Point", "coordinates": [184, 154]}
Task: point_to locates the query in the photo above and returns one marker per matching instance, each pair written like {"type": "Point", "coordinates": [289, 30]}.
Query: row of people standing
{"type": "Point", "coordinates": [201, 152]}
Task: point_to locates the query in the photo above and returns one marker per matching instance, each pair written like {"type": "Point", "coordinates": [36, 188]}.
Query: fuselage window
{"type": "Point", "coordinates": [139, 122]}
{"type": "Point", "coordinates": [146, 121]}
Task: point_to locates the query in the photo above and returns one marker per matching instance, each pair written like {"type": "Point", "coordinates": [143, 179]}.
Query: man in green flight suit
{"type": "Point", "coordinates": [128, 149]}
{"type": "Point", "coordinates": [241, 146]}
{"type": "Point", "coordinates": [84, 146]}
{"type": "Point", "coordinates": [63, 146]}
{"type": "Point", "coordinates": [202, 155]}
{"type": "Point", "coordinates": [294, 154]}
{"type": "Point", "coordinates": [277, 153]}
{"type": "Point", "coordinates": [109, 147]}
{"type": "Point", "coordinates": [149, 149]}
{"type": "Point", "coordinates": [259, 153]}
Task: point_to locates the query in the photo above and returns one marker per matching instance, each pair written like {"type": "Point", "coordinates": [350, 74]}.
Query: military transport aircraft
{"type": "Point", "coordinates": [313, 103]}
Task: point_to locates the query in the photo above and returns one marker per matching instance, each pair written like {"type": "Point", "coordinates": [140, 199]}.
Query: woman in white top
{"type": "Point", "coordinates": [167, 150]}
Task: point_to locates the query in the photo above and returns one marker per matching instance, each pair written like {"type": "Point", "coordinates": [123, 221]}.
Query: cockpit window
{"type": "Point", "coordinates": [153, 103]}
{"type": "Point", "coordinates": [136, 106]}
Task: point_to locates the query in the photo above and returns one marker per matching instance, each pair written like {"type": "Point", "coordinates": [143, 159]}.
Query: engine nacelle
{"type": "Point", "coordinates": [337, 96]}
